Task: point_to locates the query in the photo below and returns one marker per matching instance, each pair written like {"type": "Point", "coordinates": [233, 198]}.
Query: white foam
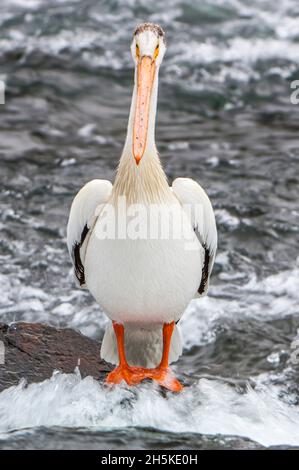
{"type": "Point", "coordinates": [262, 299]}
{"type": "Point", "coordinates": [238, 49]}
{"type": "Point", "coordinates": [223, 217]}
{"type": "Point", "coordinates": [29, 4]}
{"type": "Point", "coordinates": [75, 41]}
{"type": "Point", "coordinates": [87, 130]}
{"type": "Point", "coordinates": [208, 407]}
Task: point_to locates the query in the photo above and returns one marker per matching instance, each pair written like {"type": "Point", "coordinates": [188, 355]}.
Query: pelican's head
{"type": "Point", "coordinates": [148, 48]}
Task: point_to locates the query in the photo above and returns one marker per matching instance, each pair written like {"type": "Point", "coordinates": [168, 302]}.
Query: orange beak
{"type": "Point", "coordinates": [145, 79]}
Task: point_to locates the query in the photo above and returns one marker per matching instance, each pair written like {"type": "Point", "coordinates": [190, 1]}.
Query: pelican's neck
{"type": "Point", "coordinates": [146, 182]}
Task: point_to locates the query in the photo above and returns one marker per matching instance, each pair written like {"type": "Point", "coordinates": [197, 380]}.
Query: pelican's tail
{"type": "Point", "coordinates": [143, 345]}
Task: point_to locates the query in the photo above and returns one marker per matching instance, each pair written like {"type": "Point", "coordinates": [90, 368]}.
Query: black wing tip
{"type": "Point", "coordinates": [205, 271]}
{"type": "Point", "coordinates": [79, 268]}
{"type": "Point", "coordinates": [78, 265]}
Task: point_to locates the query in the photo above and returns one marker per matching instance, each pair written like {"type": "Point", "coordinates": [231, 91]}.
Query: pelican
{"type": "Point", "coordinates": [143, 283]}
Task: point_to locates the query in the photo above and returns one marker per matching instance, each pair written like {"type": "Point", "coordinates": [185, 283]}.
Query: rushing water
{"type": "Point", "coordinates": [225, 118]}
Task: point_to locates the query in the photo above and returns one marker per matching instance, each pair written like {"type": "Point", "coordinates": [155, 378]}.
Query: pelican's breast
{"type": "Point", "coordinates": [150, 279]}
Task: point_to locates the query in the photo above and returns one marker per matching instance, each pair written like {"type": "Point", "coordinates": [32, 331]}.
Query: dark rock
{"type": "Point", "coordinates": [34, 350]}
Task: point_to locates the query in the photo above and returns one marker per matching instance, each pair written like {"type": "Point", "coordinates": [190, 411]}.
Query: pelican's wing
{"type": "Point", "coordinates": [199, 208]}
{"type": "Point", "coordinates": [83, 214]}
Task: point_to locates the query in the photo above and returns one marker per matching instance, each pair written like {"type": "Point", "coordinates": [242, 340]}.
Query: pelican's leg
{"type": "Point", "coordinates": [123, 371]}
{"type": "Point", "coordinates": [134, 375]}
{"type": "Point", "coordinates": [163, 374]}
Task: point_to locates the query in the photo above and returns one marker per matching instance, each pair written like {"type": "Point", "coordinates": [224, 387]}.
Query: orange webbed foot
{"type": "Point", "coordinates": [166, 378]}
{"type": "Point", "coordinates": [134, 375]}
{"type": "Point", "coordinates": [127, 373]}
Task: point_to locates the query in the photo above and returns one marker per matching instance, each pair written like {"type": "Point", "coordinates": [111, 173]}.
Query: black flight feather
{"type": "Point", "coordinates": [205, 271]}
{"type": "Point", "coordinates": [78, 265]}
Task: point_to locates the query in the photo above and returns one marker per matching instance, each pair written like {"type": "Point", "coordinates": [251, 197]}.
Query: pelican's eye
{"type": "Point", "coordinates": [137, 51]}
{"type": "Point", "coordinates": [156, 51]}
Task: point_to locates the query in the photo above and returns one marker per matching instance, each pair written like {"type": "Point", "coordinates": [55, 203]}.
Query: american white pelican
{"type": "Point", "coordinates": [143, 283]}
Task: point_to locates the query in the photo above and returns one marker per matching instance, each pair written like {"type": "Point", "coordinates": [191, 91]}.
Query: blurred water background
{"type": "Point", "coordinates": [224, 118]}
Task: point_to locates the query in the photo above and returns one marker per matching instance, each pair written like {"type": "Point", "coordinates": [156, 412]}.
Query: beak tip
{"type": "Point", "coordinates": [137, 159]}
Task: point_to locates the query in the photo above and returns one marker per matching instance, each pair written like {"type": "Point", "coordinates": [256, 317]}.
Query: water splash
{"type": "Point", "coordinates": [208, 407]}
